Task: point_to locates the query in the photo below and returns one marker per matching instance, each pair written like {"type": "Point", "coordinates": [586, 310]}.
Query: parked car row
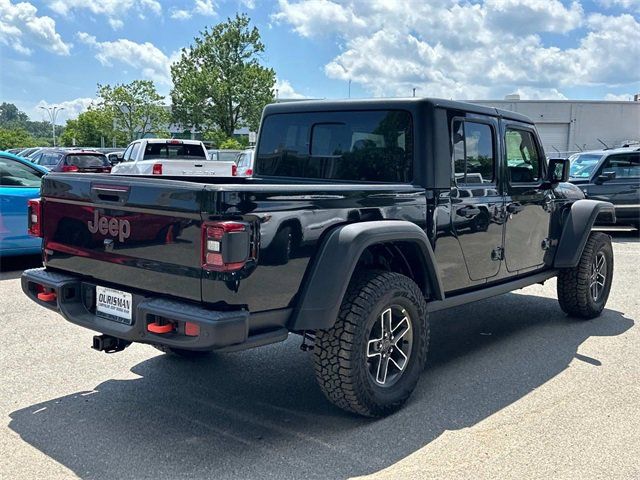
{"type": "Point", "coordinates": [612, 175]}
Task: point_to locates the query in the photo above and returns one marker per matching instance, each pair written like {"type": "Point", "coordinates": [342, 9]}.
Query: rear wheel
{"type": "Point", "coordinates": [583, 290]}
{"type": "Point", "coordinates": [370, 361]}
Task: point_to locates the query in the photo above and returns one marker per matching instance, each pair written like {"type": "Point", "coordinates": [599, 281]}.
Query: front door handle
{"type": "Point", "coordinates": [514, 208]}
{"type": "Point", "coordinates": [469, 211]}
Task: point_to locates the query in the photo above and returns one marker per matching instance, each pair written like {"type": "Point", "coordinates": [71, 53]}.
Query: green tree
{"type": "Point", "coordinates": [10, 115]}
{"type": "Point", "coordinates": [136, 107]}
{"type": "Point", "coordinates": [219, 82]}
{"type": "Point", "coordinates": [90, 128]}
{"type": "Point", "coordinates": [15, 138]}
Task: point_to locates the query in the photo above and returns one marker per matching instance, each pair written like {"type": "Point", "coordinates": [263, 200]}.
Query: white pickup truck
{"type": "Point", "coordinates": [171, 157]}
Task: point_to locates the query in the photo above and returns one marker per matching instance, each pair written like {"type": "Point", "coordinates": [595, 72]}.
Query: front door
{"type": "Point", "coordinates": [618, 181]}
{"type": "Point", "coordinates": [476, 201]}
{"type": "Point", "coordinates": [528, 206]}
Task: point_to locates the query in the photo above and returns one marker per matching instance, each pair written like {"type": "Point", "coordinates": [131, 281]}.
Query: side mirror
{"type": "Point", "coordinates": [558, 170]}
{"type": "Point", "coordinates": [605, 177]}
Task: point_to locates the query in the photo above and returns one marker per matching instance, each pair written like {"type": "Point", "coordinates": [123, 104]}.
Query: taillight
{"type": "Point", "coordinates": [157, 169]}
{"type": "Point", "coordinates": [234, 170]}
{"type": "Point", "coordinates": [249, 172]}
{"type": "Point", "coordinates": [225, 245]}
{"type": "Point", "coordinates": [69, 168]}
{"type": "Point", "coordinates": [34, 217]}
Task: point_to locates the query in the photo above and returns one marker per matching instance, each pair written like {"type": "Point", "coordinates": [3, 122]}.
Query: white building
{"type": "Point", "coordinates": [574, 125]}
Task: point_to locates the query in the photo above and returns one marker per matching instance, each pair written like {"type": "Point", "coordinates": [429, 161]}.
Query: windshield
{"type": "Point", "coordinates": [87, 160]}
{"type": "Point", "coordinates": [582, 165]}
{"type": "Point", "coordinates": [15, 174]}
{"type": "Point", "coordinates": [173, 151]}
{"type": "Point", "coordinates": [372, 146]}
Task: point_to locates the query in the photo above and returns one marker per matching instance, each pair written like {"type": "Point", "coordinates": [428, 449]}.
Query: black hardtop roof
{"type": "Point", "coordinates": [390, 103]}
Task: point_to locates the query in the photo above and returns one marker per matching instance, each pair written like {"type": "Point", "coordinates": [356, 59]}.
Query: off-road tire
{"type": "Point", "coordinates": [340, 351]}
{"type": "Point", "coordinates": [574, 293]}
{"type": "Point", "coordinates": [179, 352]}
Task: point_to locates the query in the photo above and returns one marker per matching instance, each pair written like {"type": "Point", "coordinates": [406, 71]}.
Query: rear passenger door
{"type": "Point", "coordinates": [528, 205]}
{"type": "Point", "coordinates": [476, 197]}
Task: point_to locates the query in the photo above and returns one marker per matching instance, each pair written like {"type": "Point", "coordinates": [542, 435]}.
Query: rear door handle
{"type": "Point", "coordinates": [469, 211]}
{"type": "Point", "coordinates": [514, 208]}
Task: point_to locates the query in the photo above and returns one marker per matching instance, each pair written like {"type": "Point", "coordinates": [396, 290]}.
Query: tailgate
{"type": "Point", "coordinates": [134, 232]}
{"type": "Point", "coordinates": [194, 168]}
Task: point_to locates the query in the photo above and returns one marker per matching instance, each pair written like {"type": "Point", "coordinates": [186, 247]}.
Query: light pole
{"type": "Point", "coordinates": [53, 113]}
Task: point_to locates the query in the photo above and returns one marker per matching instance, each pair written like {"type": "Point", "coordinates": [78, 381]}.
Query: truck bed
{"type": "Point", "coordinates": [162, 251]}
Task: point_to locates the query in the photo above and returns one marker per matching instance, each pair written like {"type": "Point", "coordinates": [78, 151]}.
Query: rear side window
{"type": "Point", "coordinates": [50, 159]}
{"type": "Point", "coordinates": [173, 151]}
{"type": "Point", "coordinates": [375, 146]}
{"type": "Point", "coordinates": [473, 152]}
{"type": "Point", "coordinates": [84, 160]}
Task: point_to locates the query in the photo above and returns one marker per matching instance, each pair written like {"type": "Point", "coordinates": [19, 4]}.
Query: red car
{"type": "Point", "coordinates": [80, 161]}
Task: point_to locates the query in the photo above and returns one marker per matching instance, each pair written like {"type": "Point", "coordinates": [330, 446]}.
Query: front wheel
{"type": "Point", "coordinates": [584, 289]}
{"type": "Point", "coordinates": [370, 360]}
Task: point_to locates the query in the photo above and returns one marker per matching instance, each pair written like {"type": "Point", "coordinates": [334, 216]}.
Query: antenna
{"type": "Point", "coordinates": [605, 145]}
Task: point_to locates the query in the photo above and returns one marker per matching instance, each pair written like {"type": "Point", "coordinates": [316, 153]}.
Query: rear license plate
{"type": "Point", "coordinates": [114, 304]}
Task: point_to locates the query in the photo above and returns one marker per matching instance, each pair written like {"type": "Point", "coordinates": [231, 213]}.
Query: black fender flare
{"type": "Point", "coordinates": [576, 229]}
{"type": "Point", "coordinates": [333, 266]}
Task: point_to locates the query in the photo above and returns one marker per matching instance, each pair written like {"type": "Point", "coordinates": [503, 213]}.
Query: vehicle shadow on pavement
{"type": "Point", "coordinates": [12, 267]}
{"type": "Point", "coordinates": [260, 414]}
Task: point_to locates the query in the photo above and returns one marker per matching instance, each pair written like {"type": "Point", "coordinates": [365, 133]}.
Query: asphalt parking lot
{"type": "Point", "coordinates": [513, 389]}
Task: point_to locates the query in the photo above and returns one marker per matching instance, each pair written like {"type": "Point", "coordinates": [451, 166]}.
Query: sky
{"type": "Point", "coordinates": [55, 52]}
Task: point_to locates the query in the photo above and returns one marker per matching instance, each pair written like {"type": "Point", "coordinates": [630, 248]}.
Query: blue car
{"type": "Point", "coordinates": [19, 182]}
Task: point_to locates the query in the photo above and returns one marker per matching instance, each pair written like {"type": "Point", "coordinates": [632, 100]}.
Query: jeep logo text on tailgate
{"type": "Point", "coordinates": [111, 226]}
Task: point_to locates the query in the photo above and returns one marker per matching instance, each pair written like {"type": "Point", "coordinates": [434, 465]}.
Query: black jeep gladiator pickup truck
{"type": "Point", "coordinates": [363, 217]}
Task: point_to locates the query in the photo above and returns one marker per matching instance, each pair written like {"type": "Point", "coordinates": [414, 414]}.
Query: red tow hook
{"type": "Point", "coordinates": [47, 296]}
{"type": "Point", "coordinates": [156, 327]}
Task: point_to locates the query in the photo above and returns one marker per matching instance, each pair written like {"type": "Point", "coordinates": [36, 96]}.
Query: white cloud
{"type": "Point", "coordinates": [458, 49]}
{"type": "Point", "coordinates": [624, 4]}
{"type": "Point", "coordinates": [286, 90]}
{"type": "Point", "coordinates": [530, 16]}
{"type": "Point", "coordinates": [21, 28]}
{"type": "Point", "coordinates": [145, 58]}
{"type": "Point", "coordinates": [114, 10]}
{"type": "Point", "coordinates": [529, 93]}
{"type": "Point", "coordinates": [200, 7]}
{"type": "Point", "coordinates": [623, 97]}
{"type": "Point", "coordinates": [204, 7]}
{"type": "Point", "coordinates": [181, 14]}
{"type": "Point", "coordinates": [71, 109]}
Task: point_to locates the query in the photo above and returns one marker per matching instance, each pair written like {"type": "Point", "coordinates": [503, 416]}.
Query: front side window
{"type": "Point", "coordinates": [374, 146]}
{"type": "Point", "coordinates": [582, 164]}
{"type": "Point", "coordinates": [16, 174]}
{"type": "Point", "coordinates": [623, 166]}
{"type": "Point", "coordinates": [523, 158]}
{"type": "Point", "coordinates": [473, 152]}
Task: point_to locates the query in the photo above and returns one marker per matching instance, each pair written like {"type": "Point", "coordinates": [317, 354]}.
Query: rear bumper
{"type": "Point", "coordinates": [75, 301]}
